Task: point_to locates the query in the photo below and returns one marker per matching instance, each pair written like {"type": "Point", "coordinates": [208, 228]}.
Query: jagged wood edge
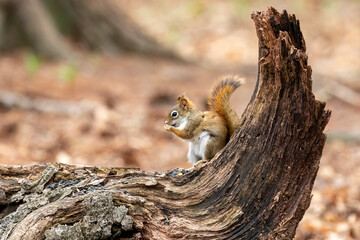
{"type": "Point", "coordinates": [259, 185]}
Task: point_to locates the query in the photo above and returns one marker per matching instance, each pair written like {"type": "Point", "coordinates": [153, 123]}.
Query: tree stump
{"type": "Point", "coordinates": [257, 187]}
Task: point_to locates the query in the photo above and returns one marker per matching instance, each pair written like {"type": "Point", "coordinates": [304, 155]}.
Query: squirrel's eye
{"type": "Point", "coordinates": [174, 114]}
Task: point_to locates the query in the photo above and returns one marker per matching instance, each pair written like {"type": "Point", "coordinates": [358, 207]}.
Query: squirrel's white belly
{"type": "Point", "coordinates": [197, 147]}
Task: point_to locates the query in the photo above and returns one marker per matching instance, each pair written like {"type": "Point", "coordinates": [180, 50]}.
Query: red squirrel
{"type": "Point", "coordinates": [209, 131]}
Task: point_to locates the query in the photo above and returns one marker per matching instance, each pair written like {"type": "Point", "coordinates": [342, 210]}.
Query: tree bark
{"type": "Point", "coordinates": [257, 187]}
{"type": "Point", "coordinates": [42, 26]}
{"type": "Point", "coordinates": [27, 23]}
{"type": "Point", "coordinates": [102, 27]}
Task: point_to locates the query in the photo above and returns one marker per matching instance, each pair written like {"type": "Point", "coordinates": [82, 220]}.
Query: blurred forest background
{"type": "Point", "coordinates": [90, 82]}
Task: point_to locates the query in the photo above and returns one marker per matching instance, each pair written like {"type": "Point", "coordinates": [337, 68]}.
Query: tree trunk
{"type": "Point", "coordinates": [103, 27]}
{"type": "Point", "coordinates": [42, 25]}
{"type": "Point", "coordinates": [257, 187]}
{"type": "Point", "coordinates": [27, 23]}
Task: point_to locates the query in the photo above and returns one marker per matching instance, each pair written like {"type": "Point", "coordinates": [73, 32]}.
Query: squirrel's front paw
{"type": "Point", "coordinates": [167, 127]}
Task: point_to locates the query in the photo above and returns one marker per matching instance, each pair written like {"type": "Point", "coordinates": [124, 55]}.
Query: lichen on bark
{"type": "Point", "coordinates": [102, 219]}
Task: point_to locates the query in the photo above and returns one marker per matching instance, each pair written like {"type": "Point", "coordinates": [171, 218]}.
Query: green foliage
{"type": "Point", "coordinates": [174, 31]}
{"type": "Point", "coordinates": [67, 73]}
{"type": "Point", "coordinates": [330, 7]}
{"type": "Point", "coordinates": [242, 7]}
{"type": "Point", "coordinates": [32, 62]}
{"type": "Point", "coordinates": [196, 8]}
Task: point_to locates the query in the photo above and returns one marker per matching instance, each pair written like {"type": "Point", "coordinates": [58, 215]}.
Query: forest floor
{"type": "Point", "coordinates": [109, 111]}
{"type": "Point", "coordinates": [119, 109]}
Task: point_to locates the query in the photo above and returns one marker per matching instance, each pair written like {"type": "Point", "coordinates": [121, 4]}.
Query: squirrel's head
{"type": "Point", "coordinates": [178, 115]}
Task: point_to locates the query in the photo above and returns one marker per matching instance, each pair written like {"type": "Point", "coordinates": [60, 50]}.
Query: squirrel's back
{"type": "Point", "coordinates": [219, 100]}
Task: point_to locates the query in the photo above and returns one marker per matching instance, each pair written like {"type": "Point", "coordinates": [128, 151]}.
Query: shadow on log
{"type": "Point", "coordinates": [258, 187]}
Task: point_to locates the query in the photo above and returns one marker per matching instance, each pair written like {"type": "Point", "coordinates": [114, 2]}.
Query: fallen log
{"type": "Point", "coordinates": [257, 187]}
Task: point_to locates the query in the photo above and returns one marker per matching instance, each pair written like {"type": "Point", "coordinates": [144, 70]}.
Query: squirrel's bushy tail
{"type": "Point", "coordinates": [219, 100]}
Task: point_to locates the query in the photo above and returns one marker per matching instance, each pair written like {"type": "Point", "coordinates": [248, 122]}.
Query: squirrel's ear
{"type": "Point", "coordinates": [183, 102]}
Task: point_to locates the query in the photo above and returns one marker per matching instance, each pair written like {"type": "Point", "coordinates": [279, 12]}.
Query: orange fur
{"type": "Point", "coordinates": [219, 100]}
{"type": "Point", "coordinates": [209, 131]}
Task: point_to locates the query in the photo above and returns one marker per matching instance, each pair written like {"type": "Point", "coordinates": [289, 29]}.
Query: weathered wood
{"type": "Point", "coordinates": [258, 187]}
{"type": "Point", "coordinates": [10, 100]}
